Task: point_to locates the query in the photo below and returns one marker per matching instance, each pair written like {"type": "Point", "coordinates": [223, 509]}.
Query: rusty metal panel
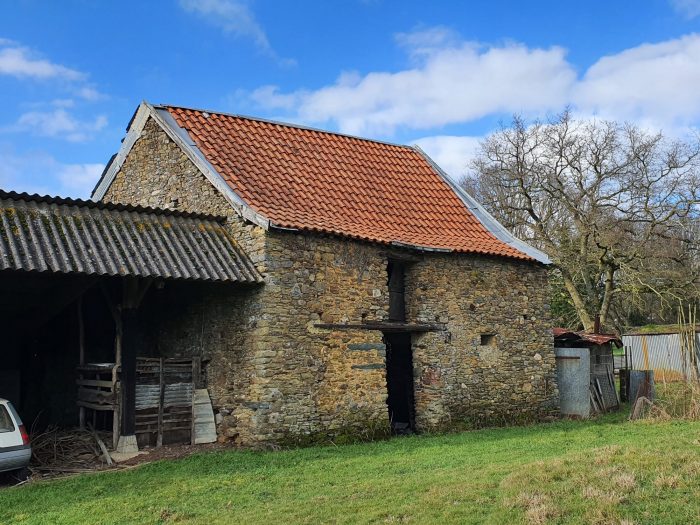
{"type": "Point", "coordinates": [51, 234]}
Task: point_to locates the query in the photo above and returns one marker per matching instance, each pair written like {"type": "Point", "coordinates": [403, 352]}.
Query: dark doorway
{"type": "Point", "coordinates": [399, 380]}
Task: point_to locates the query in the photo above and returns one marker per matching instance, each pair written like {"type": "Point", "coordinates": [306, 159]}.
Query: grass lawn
{"type": "Point", "coordinates": [604, 471]}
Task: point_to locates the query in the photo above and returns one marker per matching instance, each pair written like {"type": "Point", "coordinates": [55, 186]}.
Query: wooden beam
{"type": "Point", "coordinates": [385, 326]}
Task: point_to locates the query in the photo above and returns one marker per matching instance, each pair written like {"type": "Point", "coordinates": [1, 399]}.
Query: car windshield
{"type": "Point", "coordinates": [6, 424]}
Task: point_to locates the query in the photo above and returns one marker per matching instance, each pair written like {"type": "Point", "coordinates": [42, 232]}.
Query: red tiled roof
{"type": "Point", "coordinates": [321, 181]}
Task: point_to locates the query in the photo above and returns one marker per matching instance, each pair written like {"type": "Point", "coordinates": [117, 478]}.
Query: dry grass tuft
{"type": "Point", "coordinates": [604, 455]}
{"type": "Point", "coordinates": [625, 481]}
{"type": "Point", "coordinates": [665, 481]}
{"type": "Point", "coordinates": [538, 507]}
{"type": "Point", "coordinates": [593, 493]}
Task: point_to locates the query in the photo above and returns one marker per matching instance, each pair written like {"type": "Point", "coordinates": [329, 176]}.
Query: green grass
{"type": "Point", "coordinates": [604, 471]}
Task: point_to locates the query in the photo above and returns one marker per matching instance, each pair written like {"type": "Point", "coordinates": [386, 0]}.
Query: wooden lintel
{"type": "Point", "coordinates": [384, 327]}
{"type": "Point", "coordinates": [403, 256]}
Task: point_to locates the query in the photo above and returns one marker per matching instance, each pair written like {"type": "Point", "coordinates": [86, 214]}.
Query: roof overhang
{"type": "Point", "coordinates": [70, 236]}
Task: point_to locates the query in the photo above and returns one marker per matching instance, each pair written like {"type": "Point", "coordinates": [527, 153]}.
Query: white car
{"type": "Point", "coordinates": [15, 450]}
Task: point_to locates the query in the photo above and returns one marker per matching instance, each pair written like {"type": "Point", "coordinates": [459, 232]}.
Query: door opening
{"type": "Point", "coordinates": [399, 381]}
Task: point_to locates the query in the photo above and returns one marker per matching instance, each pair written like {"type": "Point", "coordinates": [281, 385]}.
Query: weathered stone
{"type": "Point", "coordinates": [367, 346]}
{"type": "Point", "coordinates": [371, 366]}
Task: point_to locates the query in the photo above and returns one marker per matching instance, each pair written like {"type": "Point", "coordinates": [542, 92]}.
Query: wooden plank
{"type": "Point", "coordinates": [96, 396]}
{"type": "Point", "coordinates": [203, 421]}
{"type": "Point", "coordinates": [94, 406]}
{"type": "Point", "coordinates": [102, 383]}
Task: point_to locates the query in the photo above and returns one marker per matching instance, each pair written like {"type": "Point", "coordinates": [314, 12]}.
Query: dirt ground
{"type": "Point", "coordinates": [147, 455]}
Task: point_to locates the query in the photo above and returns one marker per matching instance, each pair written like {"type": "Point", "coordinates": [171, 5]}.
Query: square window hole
{"type": "Point", "coordinates": [488, 339]}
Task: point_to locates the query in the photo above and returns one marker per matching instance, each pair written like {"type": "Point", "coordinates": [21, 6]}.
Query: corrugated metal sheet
{"type": "Point", "coordinates": [178, 394]}
{"type": "Point", "coordinates": [563, 334]}
{"type": "Point", "coordinates": [48, 234]}
{"type": "Point", "coordinates": [658, 352]}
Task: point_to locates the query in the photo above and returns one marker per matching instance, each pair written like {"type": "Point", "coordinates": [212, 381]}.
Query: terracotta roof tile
{"type": "Point", "coordinates": [327, 182]}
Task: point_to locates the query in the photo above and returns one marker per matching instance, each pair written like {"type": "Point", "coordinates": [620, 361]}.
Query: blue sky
{"type": "Point", "coordinates": [439, 74]}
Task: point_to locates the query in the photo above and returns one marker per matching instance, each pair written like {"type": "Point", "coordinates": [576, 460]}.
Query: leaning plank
{"type": "Point", "coordinates": [204, 424]}
{"type": "Point", "coordinates": [102, 446]}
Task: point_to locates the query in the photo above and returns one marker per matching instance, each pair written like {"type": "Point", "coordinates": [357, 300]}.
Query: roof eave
{"type": "Point", "coordinates": [488, 220]}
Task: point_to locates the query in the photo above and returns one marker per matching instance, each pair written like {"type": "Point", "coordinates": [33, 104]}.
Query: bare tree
{"type": "Point", "coordinates": [614, 206]}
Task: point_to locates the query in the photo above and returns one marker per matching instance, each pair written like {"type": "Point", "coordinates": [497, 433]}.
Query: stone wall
{"type": "Point", "coordinates": [459, 381]}
{"type": "Point", "coordinates": [275, 376]}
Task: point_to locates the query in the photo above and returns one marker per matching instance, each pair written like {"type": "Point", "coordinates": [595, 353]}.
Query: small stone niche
{"type": "Point", "coordinates": [488, 339]}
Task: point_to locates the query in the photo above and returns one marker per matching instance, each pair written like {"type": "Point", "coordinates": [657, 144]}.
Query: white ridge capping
{"type": "Point", "coordinates": [488, 220]}
{"type": "Point", "coordinates": [180, 136]}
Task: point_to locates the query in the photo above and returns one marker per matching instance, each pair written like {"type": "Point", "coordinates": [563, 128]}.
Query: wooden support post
{"type": "Point", "coordinates": [133, 293]}
{"type": "Point", "coordinates": [161, 401]}
{"type": "Point", "coordinates": [81, 356]}
{"type": "Point", "coordinates": [128, 368]}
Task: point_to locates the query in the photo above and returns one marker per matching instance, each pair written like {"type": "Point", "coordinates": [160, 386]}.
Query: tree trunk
{"type": "Point", "coordinates": [579, 303]}
{"type": "Point", "coordinates": [607, 298]}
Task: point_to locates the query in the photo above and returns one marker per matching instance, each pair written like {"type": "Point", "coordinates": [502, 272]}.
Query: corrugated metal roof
{"type": "Point", "coordinates": [53, 234]}
{"type": "Point", "coordinates": [563, 334]}
{"type": "Point", "coordinates": [661, 353]}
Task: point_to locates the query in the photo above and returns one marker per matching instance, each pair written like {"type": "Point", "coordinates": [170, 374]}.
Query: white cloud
{"type": "Point", "coordinates": [452, 153]}
{"type": "Point", "coordinates": [450, 85]}
{"type": "Point", "coordinates": [58, 123]}
{"type": "Point", "coordinates": [654, 83]}
{"type": "Point", "coordinates": [688, 8]}
{"type": "Point", "coordinates": [79, 179]}
{"type": "Point", "coordinates": [19, 62]}
{"type": "Point", "coordinates": [453, 82]}
{"type": "Point", "coordinates": [23, 63]}
{"type": "Point", "coordinates": [39, 172]}
{"type": "Point", "coordinates": [427, 41]}
{"type": "Point", "coordinates": [236, 18]}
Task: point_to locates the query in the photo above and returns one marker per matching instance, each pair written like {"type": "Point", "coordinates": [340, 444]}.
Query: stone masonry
{"type": "Point", "coordinates": [276, 377]}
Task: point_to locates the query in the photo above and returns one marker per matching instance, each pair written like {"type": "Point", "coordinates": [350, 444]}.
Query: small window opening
{"type": "Point", "coordinates": [488, 339]}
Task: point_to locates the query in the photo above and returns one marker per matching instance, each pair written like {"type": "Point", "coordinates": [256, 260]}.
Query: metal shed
{"type": "Point", "coordinates": [585, 372]}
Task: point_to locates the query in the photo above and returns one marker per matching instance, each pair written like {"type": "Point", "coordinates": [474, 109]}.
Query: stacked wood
{"type": "Point", "coordinates": [56, 451]}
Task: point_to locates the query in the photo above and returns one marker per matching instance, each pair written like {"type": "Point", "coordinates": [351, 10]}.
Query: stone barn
{"type": "Point", "coordinates": [390, 300]}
